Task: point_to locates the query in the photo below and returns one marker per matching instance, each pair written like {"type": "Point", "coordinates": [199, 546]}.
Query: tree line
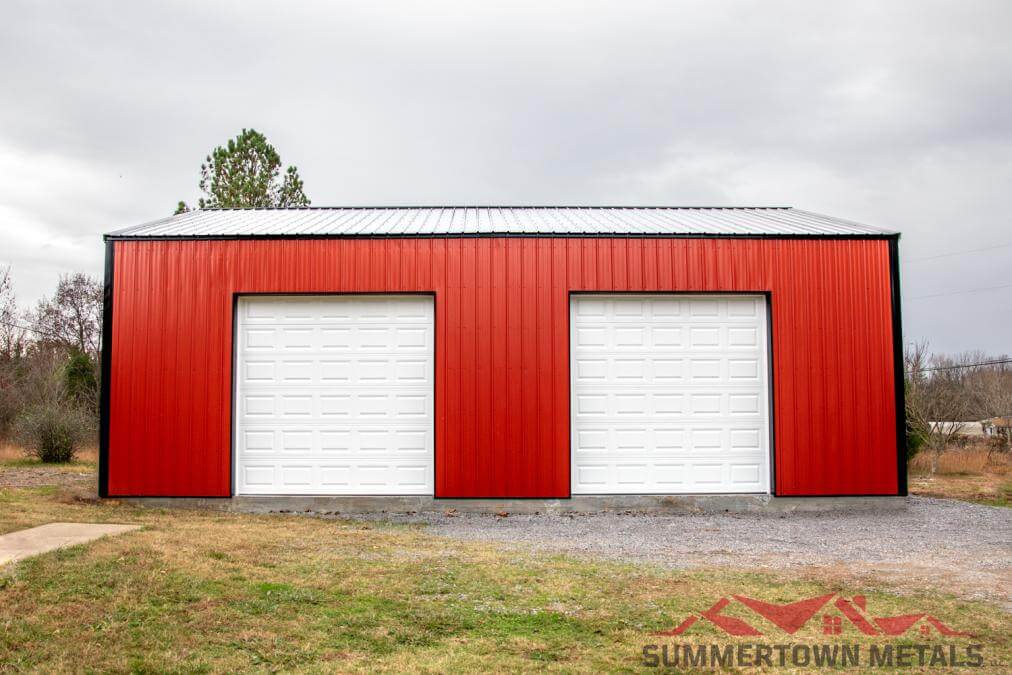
{"type": "Point", "coordinates": [945, 393]}
{"type": "Point", "coordinates": [50, 365]}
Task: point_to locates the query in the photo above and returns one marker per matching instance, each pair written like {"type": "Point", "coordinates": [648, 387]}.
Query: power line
{"type": "Point", "coordinates": [29, 329]}
{"type": "Point", "coordinates": [968, 290]}
{"type": "Point", "coordinates": [954, 253]}
{"type": "Point", "coordinates": [994, 362]}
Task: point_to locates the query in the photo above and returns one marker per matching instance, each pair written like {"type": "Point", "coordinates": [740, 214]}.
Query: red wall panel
{"type": "Point", "coordinates": [502, 349]}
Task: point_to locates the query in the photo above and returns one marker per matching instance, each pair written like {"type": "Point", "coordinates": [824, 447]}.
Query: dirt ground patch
{"type": "Point", "coordinates": [42, 476]}
{"type": "Point", "coordinates": [18, 470]}
{"type": "Point", "coordinates": [987, 488]}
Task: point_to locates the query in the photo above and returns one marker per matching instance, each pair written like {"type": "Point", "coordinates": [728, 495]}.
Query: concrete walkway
{"type": "Point", "coordinates": [36, 540]}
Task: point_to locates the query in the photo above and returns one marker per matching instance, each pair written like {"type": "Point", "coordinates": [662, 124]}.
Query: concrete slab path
{"type": "Point", "coordinates": [36, 540]}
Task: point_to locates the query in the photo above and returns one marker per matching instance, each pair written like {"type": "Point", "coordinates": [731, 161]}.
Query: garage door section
{"type": "Point", "coordinates": [334, 395]}
{"type": "Point", "coordinates": [669, 394]}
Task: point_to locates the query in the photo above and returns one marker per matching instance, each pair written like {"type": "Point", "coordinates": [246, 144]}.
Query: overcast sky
{"type": "Point", "coordinates": [896, 114]}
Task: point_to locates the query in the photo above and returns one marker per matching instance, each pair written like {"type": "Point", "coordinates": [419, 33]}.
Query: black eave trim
{"type": "Point", "coordinates": [487, 235]}
{"type": "Point", "coordinates": [897, 326]}
{"type": "Point", "coordinates": [103, 424]}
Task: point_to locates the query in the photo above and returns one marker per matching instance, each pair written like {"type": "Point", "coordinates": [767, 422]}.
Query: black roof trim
{"type": "Point", "coordinates": [495, 235]}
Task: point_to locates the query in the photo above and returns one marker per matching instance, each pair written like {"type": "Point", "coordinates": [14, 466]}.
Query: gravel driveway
{"type": "Point", "coordinates": [958, 547]}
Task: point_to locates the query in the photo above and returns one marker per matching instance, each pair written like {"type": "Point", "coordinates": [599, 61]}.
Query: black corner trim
{"type": "Point", "coordinates": [103, 425]}
{"type": "Point", "coordinates": [901, 410]}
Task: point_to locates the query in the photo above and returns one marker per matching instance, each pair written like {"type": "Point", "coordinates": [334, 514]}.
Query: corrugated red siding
{"type": "Point", "coordinates": [502, 349]}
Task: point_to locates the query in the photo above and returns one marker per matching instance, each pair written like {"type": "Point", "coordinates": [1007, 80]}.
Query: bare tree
{"type": "Point", "coordinates": [12, 335]}
{"type": "Point", "coordinates": [12, 348]}
{"type": "Point", "coordinates": [991, 388]}
{"type": "Point", "coordinates": [915, 361]}
{"type": "Point", "coordinates": [73, 317]}
{"type": "Point", "coordinates": [936, 398]}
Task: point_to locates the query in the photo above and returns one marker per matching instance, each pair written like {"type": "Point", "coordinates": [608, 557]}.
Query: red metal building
{"type": "Point", "coordinates": [502, 352]}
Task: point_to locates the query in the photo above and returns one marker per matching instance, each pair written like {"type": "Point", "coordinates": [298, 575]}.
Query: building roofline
{"type": "Point", "coordinates": [454, 221]}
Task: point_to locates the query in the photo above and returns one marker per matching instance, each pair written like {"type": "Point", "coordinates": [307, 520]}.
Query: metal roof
{"type": "Point", "coordinates": [467, 221]}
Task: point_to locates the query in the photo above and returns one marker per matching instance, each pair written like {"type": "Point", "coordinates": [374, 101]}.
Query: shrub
{"type": "Point", "coordinates": [916, 438]}
{"type": "Point", "coordinates": [52, 432]}
{"type": "Point", "coordinates": [79, 382]}
{"type": "Point", "coordinates": [9, 400]}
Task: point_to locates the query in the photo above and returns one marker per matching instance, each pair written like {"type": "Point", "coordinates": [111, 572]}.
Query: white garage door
{"type": "Point", "coordinates": [334, 395]}
{"type": "Point", "coordinates": [669, 394]}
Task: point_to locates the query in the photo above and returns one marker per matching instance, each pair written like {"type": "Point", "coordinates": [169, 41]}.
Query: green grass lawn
{"type": "Point", "coordinates": [200, 592]}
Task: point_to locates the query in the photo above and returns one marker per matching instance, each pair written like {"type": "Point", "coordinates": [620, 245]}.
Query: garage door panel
{"type": "Point", "coordinates": [316, 341]}
{"type": "Point", "coordinates": [745, 308]}
{"type": "Point", "coordinates": [669, 394]}
{"type": "Point", "coordinates": [335, 395]}
{"type": "Point", "coordinates": [259, 339]}
{"type": "Point", "coordinates": [293, 371]}
{"type": "Point", "coordinates": [320, 403]}
{"type": "Point", "coordinates": [259, 371]}
{"type": "Point", "coordinates": [651, 340]}
{"type": "Point", "coordinates": [380, 370]}
{"type": "Point", "coordinates": [635, 476]}
{"type": "Point", "coordinates": [287, 309]}
{"type": "Point", "coordinates": [746, 474]}
{"type": "Point", "coordinates": [299, 441]}
{"type": "Point", "coordinates": [259, 441]}
{"type": "Point", "coordinates": [693, 404]}
{"type": "Point", "coordinates": [664, 439]}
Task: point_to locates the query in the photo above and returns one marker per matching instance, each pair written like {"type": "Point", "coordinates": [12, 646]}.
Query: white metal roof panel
{"type": "Point", "coordinates": [463, 221]}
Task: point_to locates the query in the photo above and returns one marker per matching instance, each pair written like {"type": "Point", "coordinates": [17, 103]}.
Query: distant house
{"type": "Point", "coordinates": [969, 429]}
{"type": "Point", "coordinates": [989, 428]}
{"type": "Point", "coordinates": [997, 426]}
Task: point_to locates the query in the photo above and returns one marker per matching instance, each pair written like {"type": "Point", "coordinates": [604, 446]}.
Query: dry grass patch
{"type": "Point", "coordinates": [971, 474]}
{"type": "Point", "coordinates": [200, 591]}
{"type": "Point", "coordinates": [15, 456]}
{"type": "Point", "coordinates": [970, 460]}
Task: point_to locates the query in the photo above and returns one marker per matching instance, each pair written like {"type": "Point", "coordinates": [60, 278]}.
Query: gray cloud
{"type": "Point", "coordinates": [895, 114]}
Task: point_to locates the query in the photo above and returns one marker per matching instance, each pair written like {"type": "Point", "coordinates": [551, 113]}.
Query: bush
{"type": "Point", "coordinates": [52, 432]}
{"type": "Point", "coordinates": [916, 438]}
{"type": "Point", "coordinates": [80, 384]}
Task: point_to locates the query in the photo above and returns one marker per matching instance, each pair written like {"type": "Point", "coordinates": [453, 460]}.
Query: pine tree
{"type": "Point", "coordinates": [246, 173]}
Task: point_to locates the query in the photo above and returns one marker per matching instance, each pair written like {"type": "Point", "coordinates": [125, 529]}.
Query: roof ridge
{"type": "Point", "coordinates": [489, 206]}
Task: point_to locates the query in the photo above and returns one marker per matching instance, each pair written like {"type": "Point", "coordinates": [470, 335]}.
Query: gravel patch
{"type": "Point", "coordinates": [953, 546]}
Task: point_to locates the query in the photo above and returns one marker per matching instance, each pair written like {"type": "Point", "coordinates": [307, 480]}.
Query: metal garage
{"type": "Point", "coordinates": [501, 352]}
